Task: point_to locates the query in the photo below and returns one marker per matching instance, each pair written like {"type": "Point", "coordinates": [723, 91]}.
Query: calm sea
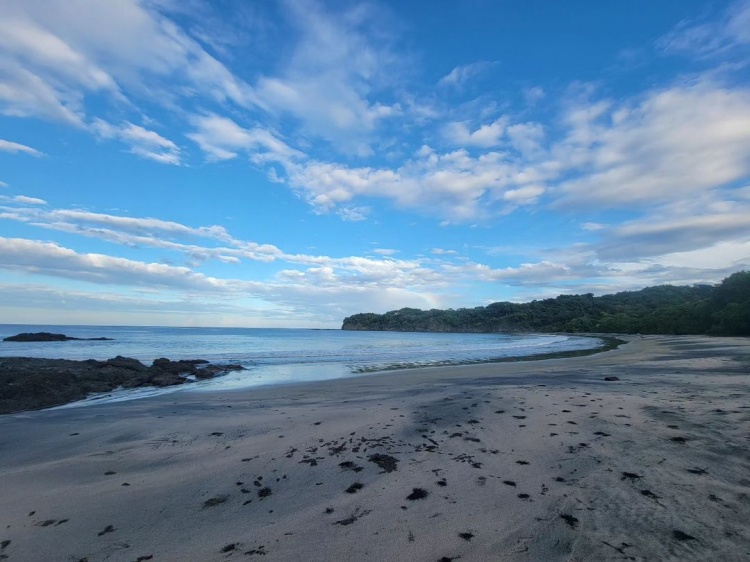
{"type": "Point", "coordinates": [278, 356]}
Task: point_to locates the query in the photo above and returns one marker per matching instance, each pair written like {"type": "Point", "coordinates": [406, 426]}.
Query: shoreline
{"type": "Point", "coordinates": [25, 367]}
{"type": "Point", "coordinates": [652, 466]}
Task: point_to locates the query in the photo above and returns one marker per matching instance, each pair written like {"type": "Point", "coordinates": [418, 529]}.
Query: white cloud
{"type": "Point", "coordinates": [711, 38]}
{"type": "Point", "coordinates": [56, 55]}
{"type": "Point", "coordinates": [322, 291]}
{"type": "Point", "coordinates": [676, 142]}
{"type": "Point", "coordinates": [526, 138]}
{"type": "Point", "coordinates": [3, 184]}
{"type": "Point", "coordinates": [221, 139]}
{"type": "Point", "coordinates": [8, 146]}
{"type": "Point", "coordinates": [657, 235]}
{"type": "Point", "coordinates": [23, 200]}
{"type": "Point", "coordinates": [47, 258]}
{"type": "Point", "coordinates": [485, 136]}
{"type": "Point", "coordinates": [534, 95]}
{"type": "Point", "coordinates": [385, 251]}
{"type": "Point", "coordinates": [143, 142]}
{"type": "Point", "coordinates": [462, 74]}
{"type": "Point", "coordinates": [334, 68]}
{"type": "Point", "coordinates": [353, 214]}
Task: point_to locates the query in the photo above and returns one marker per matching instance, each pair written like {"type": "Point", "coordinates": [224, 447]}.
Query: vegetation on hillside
{"type": "Point", "coordinates": [722, 309]}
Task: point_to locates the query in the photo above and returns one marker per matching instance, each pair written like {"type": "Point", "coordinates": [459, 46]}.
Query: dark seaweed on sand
{"type": "Point", "coordinates": [386, 462]}
{"type": "Point", "coordinates": [211, 502]}
{"type": "Point", "coordinates": [417, 494]}
{"type": "Point", "coordinates": [569, 519]}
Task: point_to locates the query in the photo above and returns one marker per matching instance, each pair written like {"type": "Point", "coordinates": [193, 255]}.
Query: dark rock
{"type": "Point", "coordinates": [28, 383]}
{"type": "Point", "coordinates": [126, 363]}
{"type": "Point", "coordinates": [158, 377]}
{"type": "Point", "coordinates": [47, 336]}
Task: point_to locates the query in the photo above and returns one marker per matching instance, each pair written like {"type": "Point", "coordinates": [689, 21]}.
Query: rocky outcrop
{"type": "Point", "coordinates": [47, 336]}
{"type": "Point", "coordinates": [29, 383]}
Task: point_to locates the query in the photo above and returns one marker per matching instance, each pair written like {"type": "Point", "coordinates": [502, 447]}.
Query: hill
{"type": "Point", "coordinates": [723, 309]}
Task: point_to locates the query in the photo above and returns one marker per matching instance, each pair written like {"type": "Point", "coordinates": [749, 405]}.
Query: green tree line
{"type": "Point", "coordinates": [722, 309]}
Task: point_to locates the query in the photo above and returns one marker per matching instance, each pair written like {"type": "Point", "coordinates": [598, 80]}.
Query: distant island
{"type": "Point", "coordinates": [721, 310]}
{"type": "Point", "coordinates": [47, 336]}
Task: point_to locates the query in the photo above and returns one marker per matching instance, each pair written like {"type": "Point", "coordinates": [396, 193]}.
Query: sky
{"type": "Point", "coordinates": [287, 163]}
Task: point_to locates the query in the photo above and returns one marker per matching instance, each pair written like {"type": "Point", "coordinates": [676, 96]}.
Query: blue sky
{"type": "Point", "coordinates": [288, 163]}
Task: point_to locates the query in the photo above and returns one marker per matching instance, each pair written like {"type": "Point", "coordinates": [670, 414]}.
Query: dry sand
{"type": "Point", "coordinates": [539, 460]}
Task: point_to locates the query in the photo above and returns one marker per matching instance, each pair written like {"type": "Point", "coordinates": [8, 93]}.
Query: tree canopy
{"type": "Point", "coordinates": [723, 309]}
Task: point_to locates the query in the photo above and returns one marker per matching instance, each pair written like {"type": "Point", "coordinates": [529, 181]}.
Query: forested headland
{"type": "Point", "coordinates": [722, 309]}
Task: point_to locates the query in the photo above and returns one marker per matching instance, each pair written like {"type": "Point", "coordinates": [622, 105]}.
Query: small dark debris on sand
{"type": "Point", "coordinates": [467, 536]}
{"type": "Point", "coordinates": [211, 502]}
{"type": "Point", "coordinates": [681, 536]}
{"type": "Point", "coordinates": [352, 518]}
{"type": "Point", "coordinates": [354, 488]}
{"type": "Point", "coordinates": [230, 547]}
{"type": "Point", "coordinates": [386, 462]}
{"type": "Point", "coordinates": [611, 379]}
{"type": "Point", "coordinates": [107, 529]}
{"type": "Point", "coordinates": [509, 483]}
{"type": "Point", "coordinates": [630, 476]}
{"type": "Point", "coordinates": [649, 494]}
{"type": "Point", "coordinates": [146, 557]}
{"type": "Point", "coordinates": [570, 520]}
{"type": "Point", "coordinates": [697, 470]}
{"type": "Point", "coordinates": [349, 465]}
{"type": "Point", "coordinates": [264, 492]}
{"type": "Point", "coordinates": [524, 496]}
{"type": "Point", "coordinates": [678, 439]}
{"type": "Point", "coordinates": [4, 544]}
{"type": "Point", "coordinates": [417, 494]}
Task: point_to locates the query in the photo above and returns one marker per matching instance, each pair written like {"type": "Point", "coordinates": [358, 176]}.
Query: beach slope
{"type": "Point", "coordinates": [539, 460]}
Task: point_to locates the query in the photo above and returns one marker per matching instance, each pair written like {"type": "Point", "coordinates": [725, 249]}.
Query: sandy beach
{"type": "Point", "coordinates": [540, 460]}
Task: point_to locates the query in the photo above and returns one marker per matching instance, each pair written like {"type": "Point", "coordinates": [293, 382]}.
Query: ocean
{"type": "Point", "coordinates": [281, 356]}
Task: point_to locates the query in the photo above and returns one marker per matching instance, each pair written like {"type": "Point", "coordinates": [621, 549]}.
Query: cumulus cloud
{"type": "Point", "coordinates": [13, 147]}
{"type": "Point", "coordinates": [485, 136]}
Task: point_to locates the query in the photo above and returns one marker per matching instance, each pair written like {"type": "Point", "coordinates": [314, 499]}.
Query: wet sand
{"type": "Point", "coordinates": [542, 460]}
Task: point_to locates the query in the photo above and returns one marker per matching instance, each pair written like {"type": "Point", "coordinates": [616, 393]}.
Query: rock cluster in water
{"type": "Point", "coordinates": [47, 336]}
{"type": "Point", "coordinates": [28, 383]}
